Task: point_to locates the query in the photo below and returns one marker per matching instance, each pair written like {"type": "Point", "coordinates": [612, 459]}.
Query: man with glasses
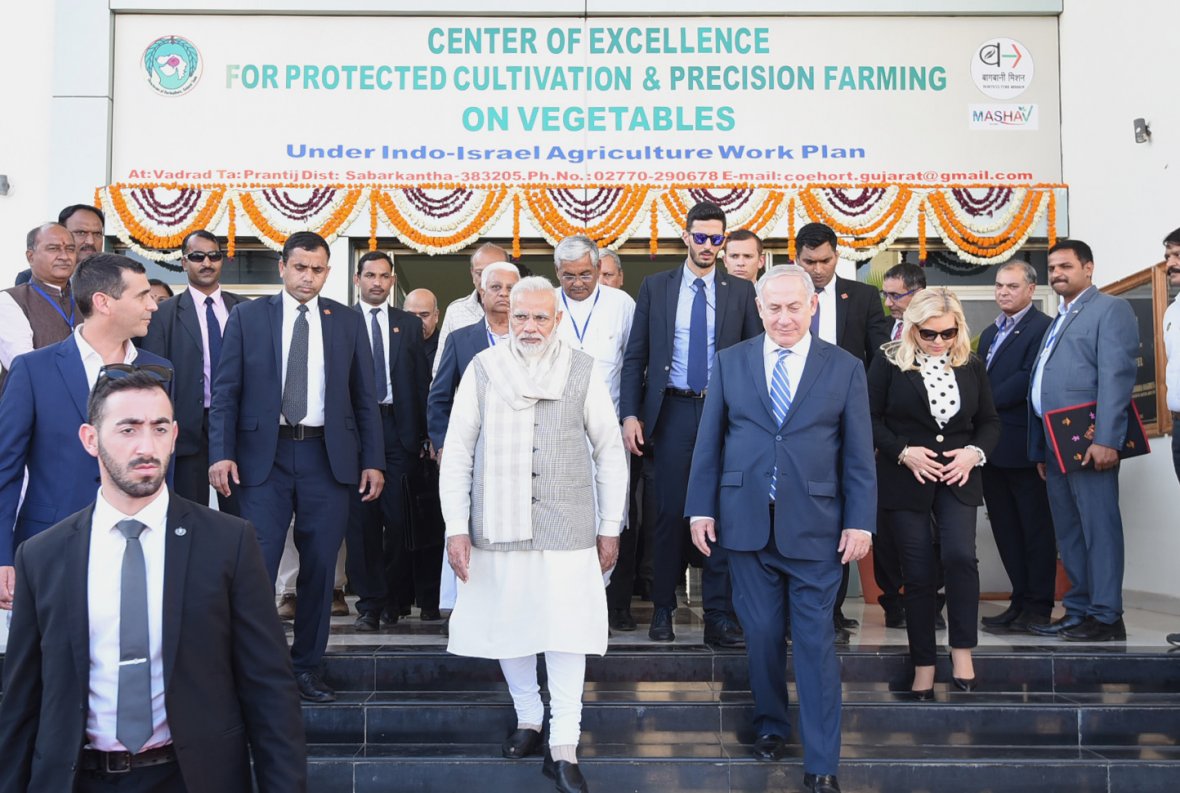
{"type": "Point", "coordinates": [468, 310]}
{"type": "Point", "coordinates": [42, 311]}
{"type": "Point", "coordinates": [187, 330]}
{"type": "Point", "coordinates": [596, 319]}
{"type": "Point", "coordinates": [44, 403]}
{"type": "Point", "coordinates": [682, 317]}
{"type": "Point", "coordinates": [423, 304]}
{"type": "Point", "coordinates": [898, 287]}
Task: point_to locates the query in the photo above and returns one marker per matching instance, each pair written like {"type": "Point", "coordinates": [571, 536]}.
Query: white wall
{"type": "Point", "coordinates": [1124, 198]}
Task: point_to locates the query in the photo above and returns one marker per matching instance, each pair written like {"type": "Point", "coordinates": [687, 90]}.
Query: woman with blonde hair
{"type": "Point", "coordinates": [934, 423]}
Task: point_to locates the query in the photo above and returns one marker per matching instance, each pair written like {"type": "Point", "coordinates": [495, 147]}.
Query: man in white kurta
{"type": "Point", "coordinates": [533, 455]}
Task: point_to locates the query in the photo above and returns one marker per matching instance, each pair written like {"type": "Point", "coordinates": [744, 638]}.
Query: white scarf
{"type": "Point", "coordinates": [516, 384]}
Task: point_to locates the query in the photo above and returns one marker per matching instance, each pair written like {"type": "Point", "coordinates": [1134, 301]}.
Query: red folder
{"type": "Point", "coordinates": [1071, 431]}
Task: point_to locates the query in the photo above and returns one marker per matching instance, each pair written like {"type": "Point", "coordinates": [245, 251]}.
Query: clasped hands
{"type": "Point", "coordinates": [923, 463]}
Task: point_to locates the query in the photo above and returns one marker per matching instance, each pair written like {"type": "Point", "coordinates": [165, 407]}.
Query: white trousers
{"type": "Point", "coordinates": [567, 678]}
{"type": "Point", "coordinates": [289, 567]}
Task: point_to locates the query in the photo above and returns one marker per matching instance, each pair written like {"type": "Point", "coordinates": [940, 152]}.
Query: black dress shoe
{"type": "Point", "coordinates": [313, 689]}
{"type": "Point", "coordinates": [389, 617]}
{"type": "Point", "coordinates": [1093, 630]}
{"type": "Point", "coordinates": [567, 775]}
{"type": "Point", "coordinates": [770, 747]}
{"type": "Point", "coordinates": [367, 622]}
{"type": "Point", "coordinates": [895, 619]}
{"type": "Point", "coordinates": [429, 615]}
{"type": "Point", "coordinates": [964, 683]}
{"type": "Point", "coordinates": [521, 743]}
{"type": "Point", "coordinates": [910, 695]}
{"type": "Point", "coordinates": [821, 783]}
{"type": "Point", "coordinates": [1173, 639]}
{"type": "Point", "coordinates": [1057, 626]}
{"type": "Point", "coordinates": [621, 619]}
{"type": "Point", "coordinates": [1005, 617]}
{"type": "Point", "coordinates": [844, 622]}
{"type": "Point", "coordinates": [724, 633]}
{"type": "Point", "coordinates": [661, 625]}
{"type": "Point", "coordinates": [1025, 622]}
{"type": "Point", "coordinates": [843, 636]}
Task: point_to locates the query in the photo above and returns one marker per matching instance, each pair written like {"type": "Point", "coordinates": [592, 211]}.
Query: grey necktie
{"type": "Point", "coordinates": [295, 384]}
{"type": "Point", "coordinates": [133, 726]}
{"type": "Point", "coordinates": [379, 364]}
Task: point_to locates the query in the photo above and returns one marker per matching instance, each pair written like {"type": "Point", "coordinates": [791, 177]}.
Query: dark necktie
{"type": "Point", "coordinates": [698, 341]}
{"type": "Point", "coordinates": [897, 330]}
{"type": "Point", "coordinates": [214, 329]}
{"type": "Point", "coordinates": [815, 316]}
{"type": "Point", "coordinates": [379, 365]}
{"type": "Point", "coordinates": [133, 725]}
{"type": "Point", "coordinates": [295, 384]}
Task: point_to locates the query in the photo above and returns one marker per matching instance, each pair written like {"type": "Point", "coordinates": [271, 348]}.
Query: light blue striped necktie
{"type": "Point", "coordinates": [780, 399]}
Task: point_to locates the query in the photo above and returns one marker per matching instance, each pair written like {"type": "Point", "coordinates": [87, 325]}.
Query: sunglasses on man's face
{"type": "Point", "coordinates": [714, 239]}
{"type": "Point", "coordinates": [118, 371]}
{"type": "Point", "coordinates": [931, 335]}
{"type": "Point", "coordinates": [196, 257]}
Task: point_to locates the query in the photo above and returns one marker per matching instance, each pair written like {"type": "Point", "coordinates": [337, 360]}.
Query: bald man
{"type": "Point", "coordinates": [40, 312]}
{"type": "Point", "coordinates": [423, 304]}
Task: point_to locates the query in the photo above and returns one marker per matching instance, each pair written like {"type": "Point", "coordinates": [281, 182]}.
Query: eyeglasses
{"type": "Point", "coordinates": [569, 278]}
{"type": "Point", "coordinates": [199, 256]}
{"type": "Point", "coordinates": [714, 239]}
{"type": "Point", "coordinates": [931, 335]}
{"type": "Point", "coordinates": [119, 371]}
{"type": "Point", "coordinates": [894, 297]}
{"type": "Point", "coordinates": [521, 317]}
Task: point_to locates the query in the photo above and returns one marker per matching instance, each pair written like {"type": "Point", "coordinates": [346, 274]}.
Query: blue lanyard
{"type": "Point", "coordinates": [70, 319]}
{"type": "Point", "coordinates": [581, 333]}
{"type": "Point", "coordinates": [491, 338]}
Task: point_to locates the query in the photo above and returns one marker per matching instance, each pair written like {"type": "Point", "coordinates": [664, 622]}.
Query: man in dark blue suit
{"type": "Point", "coordinates": [683, 317]}
{"type": "Point", "coordinates": [1017, 502]}
{"type": "Point", "coordinates": [187, 331]}
{"type": "Point", "coordinates": [44, 403]}
{"type": "Point", "coordinates": [384, 573]}
{"type": "Point", "coordinates": [783, 477]}
{"type": "Point", "coordinates": [294, 426]}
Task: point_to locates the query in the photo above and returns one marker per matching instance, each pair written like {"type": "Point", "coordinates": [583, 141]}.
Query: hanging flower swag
{"type": "Point", "coordinates": [982, 224]}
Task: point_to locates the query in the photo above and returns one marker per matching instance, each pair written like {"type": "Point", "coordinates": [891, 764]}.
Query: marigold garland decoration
{"type": "Point", "coordinates": [982, 223]}
{"type": "Point", "coordinates": [232, 233]}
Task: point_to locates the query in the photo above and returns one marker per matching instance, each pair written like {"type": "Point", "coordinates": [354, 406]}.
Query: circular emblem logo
{"type": "Point", "coordinates": [173, 65]}
{"type": "Point", "coordinates": [1002, 68]}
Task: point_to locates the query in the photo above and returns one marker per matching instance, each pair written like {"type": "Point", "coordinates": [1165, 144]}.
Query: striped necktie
{"type": "Point", "coordinates": [780, 399]}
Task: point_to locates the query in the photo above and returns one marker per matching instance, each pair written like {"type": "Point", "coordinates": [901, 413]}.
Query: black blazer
{"type": "Point", "coordinates": [901, 417]}
{"type": "Point", "coordinates": [228, 685]}
{"type": "Point", "coordinates": [861, 324]}
{"type": "Point", "coordinates": [175, 334]}
{"type": "Point", "coordinates": [409, 372]}
{"type": "Point", "coordinates": [648, 358]}
{"type": "Point", "coordinates": [462, 345]}
{"type": "Point", "coordinates": [1009, 375]}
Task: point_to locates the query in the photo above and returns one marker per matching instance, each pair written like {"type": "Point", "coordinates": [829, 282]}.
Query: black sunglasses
{"type": "Point", "coordinates": [931, 335]}
{"type": "Point", "coordinates": [118, 371]}
{"type": "Point", "coordinates": [714, 239]}
{"type": "Point", "coordinates": [199, 256]}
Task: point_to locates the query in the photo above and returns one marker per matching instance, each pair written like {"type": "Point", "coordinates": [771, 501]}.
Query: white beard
{"type": "Point", "coordinates": [531, 354]}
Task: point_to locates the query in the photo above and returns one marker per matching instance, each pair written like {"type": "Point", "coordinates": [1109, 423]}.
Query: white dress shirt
{"type": "Point", "coordinates": [383, 324]}
{"type": "Point", "coordinates": [104, 600]}
{"type": "Point", "coordinates": [1047, 348]}
{"type": "Point", "coordinates": [315, 356]}
{"type": "Point", "coordinates": [678, 374]}
{"type": "Point", "coordinates": [222, 315]}
{"type": "Point", "coordinates": [827, 313]}
{"type": "Point", "coordinates": [92, 362]}
{"type": "Point", "coordinates": [1172, 348]}
{"type": "Point", "coordinates": [459, 314]}
{"type": "Point", "coordinates": [603, 321]}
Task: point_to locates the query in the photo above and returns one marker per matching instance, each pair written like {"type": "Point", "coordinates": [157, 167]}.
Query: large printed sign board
{"type": "Point", "coordinates": [242, 99]}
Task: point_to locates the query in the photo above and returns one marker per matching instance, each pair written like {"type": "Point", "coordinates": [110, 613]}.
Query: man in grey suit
{"type": "Point", "coordinates": [1087, 355]}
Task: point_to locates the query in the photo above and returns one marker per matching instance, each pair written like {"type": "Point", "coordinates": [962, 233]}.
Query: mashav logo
{"type": "Point", "coordinates": [173, 65]}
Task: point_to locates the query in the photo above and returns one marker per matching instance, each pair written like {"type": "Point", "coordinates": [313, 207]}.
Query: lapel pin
{"type": "Point", "coordinates": [327, 312]}
{"type": "Point", "coordinates": [397, 330]}
{"type": "Point", "coordinates": [180, 531]}
{"type": "Point", "coordinates": [843, 295]}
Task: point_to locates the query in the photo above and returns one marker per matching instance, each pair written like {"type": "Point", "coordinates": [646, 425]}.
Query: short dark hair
{"type": "Point", "coordinates": [706, 210]}
{"type": "Point", "coordinates": [1173, 238]}
{"type": "Point", "coordinates": [913, 276]}
{"type": "Point", "coordinates": [1081, 249]}
{"type": "Point", "coordinates": [198, 234]}
{"type": "Point", "coordinates": [372, 256]}
{"type": "Point", "coordinates": [102, 272]}
{"type": "Point", "coordinates": [33, 237]}
{"type": "Point", "coordinates": [106, 387]}
{"type": "Point", "coordinates": [304, 241]}
{"type": "Point", "coordinates": [69, 211]}
{"type": "Point", "coordinates": [815, 235]}
{"type": "Point", "coordinates": [746, 234]}
{"type": "Point", "coordinates": [158, 282]}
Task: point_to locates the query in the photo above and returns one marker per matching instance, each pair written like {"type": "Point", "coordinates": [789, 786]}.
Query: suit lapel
{"type": "Point", "coordinates": [395, 340]}
{"type": "Point", "coordinates": [1021, 326]}
{"type": "Point", "coordinates": [721, 288]}
{"type": "Point", "coordinates": [1074, 311]}
{"type": "Point", "coordinates": [841, 299]}
{"type": "Point", "coordinates": [77, 557]}
{"type": "Point", "coordinates": [276, 333]}
{"type": "Point", "coordinates": [817, 358]}
{"type": "Point", "coordinates": [671, 300]}
{"type": "Point", "coordinates": [914, 377]}
{"type": "Point", "coordinates": [757, 376]}
{"type": "Point", "coordinates": [73, 373]}
{"type": "Point", "coordinates": [327, 329]}
{"type": "Point", "coordinates": [186, 315]}
{"type": "Point", "coordinates": [177, 541]}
